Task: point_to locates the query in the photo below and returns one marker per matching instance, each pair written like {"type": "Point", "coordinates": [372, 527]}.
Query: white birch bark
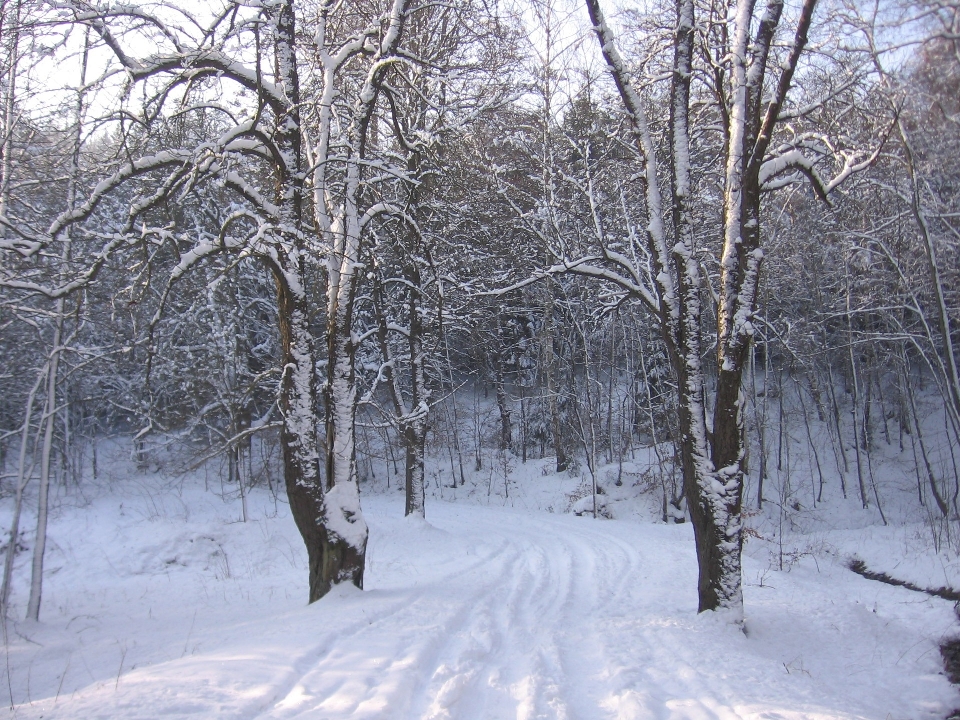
{"type": "Point", "coordinates": [53, 362]}
{"type": "Point", "coordinates": [23, 478]}
{"type": "Point", "coordinates": [50, 414]}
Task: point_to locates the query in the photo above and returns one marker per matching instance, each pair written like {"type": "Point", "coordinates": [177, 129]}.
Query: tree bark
{"type": "Point", "coordinates": [712, 461]}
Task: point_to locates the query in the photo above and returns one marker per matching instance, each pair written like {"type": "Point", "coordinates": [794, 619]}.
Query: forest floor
{"type": "Point", "coordinates": [159, 603]}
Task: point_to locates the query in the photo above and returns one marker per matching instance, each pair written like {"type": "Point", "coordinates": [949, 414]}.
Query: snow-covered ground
{"type": "Point", "coordinates": [158, 603]}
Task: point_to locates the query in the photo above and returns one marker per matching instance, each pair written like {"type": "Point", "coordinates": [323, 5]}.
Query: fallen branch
{"type": "Point", "coordinates": [860, 568]}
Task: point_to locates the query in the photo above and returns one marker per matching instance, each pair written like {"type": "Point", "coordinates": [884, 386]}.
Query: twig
{"type": "Point", "coordinates": [123, 656]}
{"type": "Point", "coordinates": [189, 633]}
{"type": "Point", "coordinates": [64, 675]}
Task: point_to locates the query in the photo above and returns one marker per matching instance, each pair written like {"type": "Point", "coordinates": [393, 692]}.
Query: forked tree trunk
{"type": "Point", "coordinates": [326, 510]}
{"type": "Point", "coordinates": [346, 542]}
{"type": "Point", "coordinates": [345, 546]}
{"type": "Point", "coordinates": [298, 440]}
{"type": "Point", "coordinates": [332, 557]}
{"type": "Point", "coordinates": [713, 498]}
{"type": "Point", "coordinates": [712, 461]}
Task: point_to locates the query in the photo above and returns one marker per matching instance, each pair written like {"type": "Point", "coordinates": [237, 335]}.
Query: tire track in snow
{"type": "Point", "coordinates": [500, 663]}
{"type": "Point", "coordinates": [512, 632]}
{"type": "Point", "coordinates": [507, 677]}
{"type": "Point", "coordinates": [658, 673]}
{"type": "Point", "coordinates": [525, 628]}
{"type": "Point", "coordinates": [366, 672]}
{"type": "Point", "coordinates": [514, 635]}
{"type": "Point", "coordinates": [508, 615]}
{"type": "Point", "coordinates": [584, 656]}
{"type": "Point", "coordinates": [549, 660]}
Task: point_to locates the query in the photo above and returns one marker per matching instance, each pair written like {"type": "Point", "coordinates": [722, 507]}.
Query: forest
{"type": "Point", "coordinates": [649, 313]}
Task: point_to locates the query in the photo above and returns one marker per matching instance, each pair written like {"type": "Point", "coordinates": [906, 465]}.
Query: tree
{"type": "Point", "coordinates": [261, 141]}
{"type": "Point", "coordinates": [312, 161]}
{"type": "Point", "coordinates": [748, 85]}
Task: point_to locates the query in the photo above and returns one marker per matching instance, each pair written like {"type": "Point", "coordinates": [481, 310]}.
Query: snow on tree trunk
{"type": "Point", "coordinates": [712, 456]}
{"type": "Point", "coordinates": [327, 511]}
{"type": "Point", "coordinates": [298, 438]}
{"type": "Point", "coordinates": [415, 424]}
{"type": "Point", "coordinates": [415, 440]}
{"type": "Point", "coordinates": [343, 519]}
{"type": "Point", "coordinates": [550, 370]}
{"type": "Point", "coordinates": [342, 515]}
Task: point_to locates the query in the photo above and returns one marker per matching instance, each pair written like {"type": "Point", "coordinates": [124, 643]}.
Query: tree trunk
{"type": "Point", "coordinates": [415, 424]}
{"type": "Point", "coordinates": [9, 111]}
{"type": "Point", "coordinates": [456, 415]}
{"type": "Point", "coordinates": [549, 368]}
{"type": "Point", "coordinates": [499, 383]}
{"type": "Point", "coordinates": [50, 415]}
{"type": "Point", "coordinates": [335, 549]}
{"type": "Point", "coordinates": [719, 483]}
{"type": "Point", "coordinates": [23, 477]}
{"type": "Point", "coordinates": [53, 363]}
{"type": "Point", "coordinates": [414, 437]}
{"type": "Point", "coordinates": [345, 550]}
{"type": "Point", "coordinates": [298, 440]}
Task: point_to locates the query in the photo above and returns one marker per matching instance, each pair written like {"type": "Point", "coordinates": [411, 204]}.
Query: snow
{"type": "Point", "coordinates": [158, 603]}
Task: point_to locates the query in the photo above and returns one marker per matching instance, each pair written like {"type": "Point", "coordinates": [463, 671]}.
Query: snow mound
{"type": "Point", "coordinates": [585, 505]}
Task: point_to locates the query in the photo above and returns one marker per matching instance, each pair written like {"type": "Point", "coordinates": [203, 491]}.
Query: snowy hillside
{"type": "Point", "coordinates": [159, 603]}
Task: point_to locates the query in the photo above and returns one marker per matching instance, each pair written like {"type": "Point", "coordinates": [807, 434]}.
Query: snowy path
{"type": "Point", "coordinates": [489, 613]}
